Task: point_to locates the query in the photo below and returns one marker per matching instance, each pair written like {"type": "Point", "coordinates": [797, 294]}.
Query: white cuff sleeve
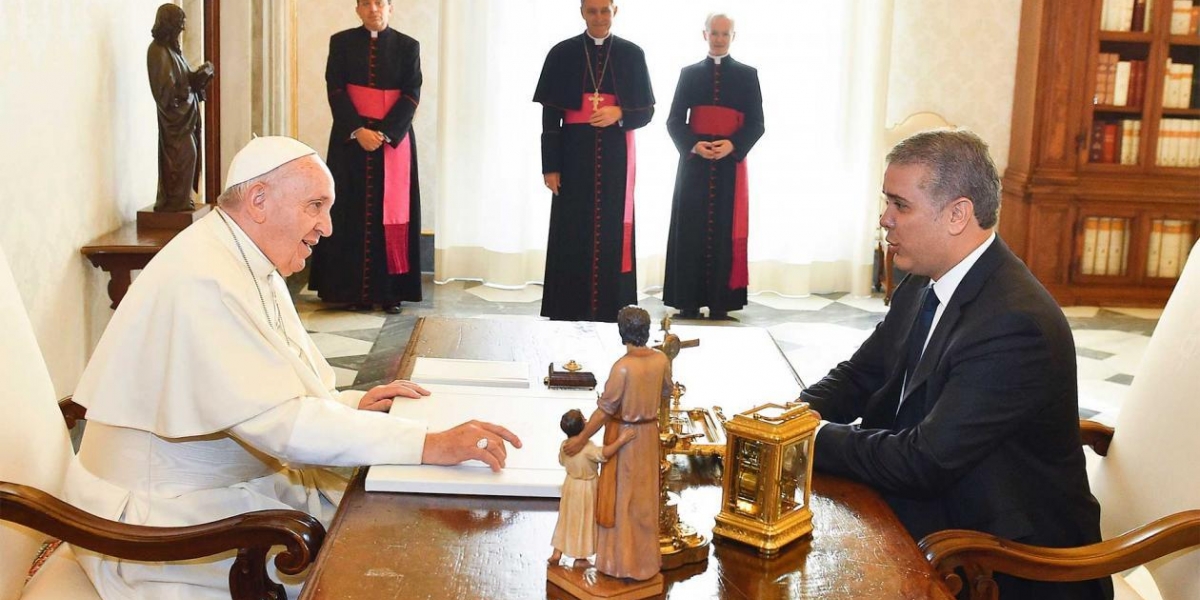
{"type": "Point", "coordinates": [350, 398]}
{"type": "Point", "coordinates": [314, 431]}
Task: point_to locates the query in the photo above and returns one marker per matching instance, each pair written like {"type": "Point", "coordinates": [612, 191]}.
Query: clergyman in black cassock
{"type": "Point", "coordinates": [716, 117]}
{"type": "Point", "coordinates": [595, 91]}
{"type": "Point", "coordinates": [373, 77]}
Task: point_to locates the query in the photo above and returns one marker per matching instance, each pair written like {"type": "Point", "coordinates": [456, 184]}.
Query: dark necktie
{"type": "Point", "coordinates": [920, 331]}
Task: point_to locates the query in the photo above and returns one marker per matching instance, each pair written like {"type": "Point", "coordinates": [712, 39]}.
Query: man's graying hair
{"type": "Point", "coordinates": [718, 15]}
{"type": "Point", "coordinates": [958, 166]}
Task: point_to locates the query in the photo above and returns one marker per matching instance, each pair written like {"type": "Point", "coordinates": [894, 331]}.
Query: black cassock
{"type": "Point", "coordinates": [351, 265]}
{"type": "Point", "coordinates": [590, 260]}
{"type": "Point", "coordinates": [700, 246]}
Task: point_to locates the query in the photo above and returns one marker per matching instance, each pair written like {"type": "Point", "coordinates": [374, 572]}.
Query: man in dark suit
{"type": "Point", "coordinates": [967, 390]}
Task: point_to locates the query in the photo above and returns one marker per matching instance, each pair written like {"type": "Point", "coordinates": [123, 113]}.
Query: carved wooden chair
{"type": "Point", "coordinates": [912, 124]}
{"type": "Point", "coordinates": [1146, 482]}
{"type": "Point", "coordinates": [35, 453]}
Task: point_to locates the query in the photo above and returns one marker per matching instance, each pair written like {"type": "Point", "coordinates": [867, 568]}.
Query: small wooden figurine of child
{"type": "Point", "coordinates": [575, 533]}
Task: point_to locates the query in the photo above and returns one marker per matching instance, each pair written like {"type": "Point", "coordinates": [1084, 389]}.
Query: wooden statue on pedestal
{"type": "Point", "coordinates": [628, 559]}
{"type": "Point", "coordinates": [178, 91]}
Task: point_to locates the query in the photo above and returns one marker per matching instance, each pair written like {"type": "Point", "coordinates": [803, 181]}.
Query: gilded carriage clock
{"type": "Point", "coordinates": [768, 472]}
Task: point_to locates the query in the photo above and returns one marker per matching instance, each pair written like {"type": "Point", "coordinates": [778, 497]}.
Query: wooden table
{"type": "Point", "coordinates": [123, 251]}
{"type": "Point", "coordinates": [428, 546]}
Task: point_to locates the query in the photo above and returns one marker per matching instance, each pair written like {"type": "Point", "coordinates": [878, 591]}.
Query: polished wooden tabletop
{"type": "Point", "coordinates": [385, 545]}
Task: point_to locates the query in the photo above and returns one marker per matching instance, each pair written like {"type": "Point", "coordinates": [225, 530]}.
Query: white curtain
{"type": "Point", "coordinates": [814, 176]}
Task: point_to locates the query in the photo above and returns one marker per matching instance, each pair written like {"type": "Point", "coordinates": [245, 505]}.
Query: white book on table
{"type": "Point", "coordinates": [453, 371]}
{"type": "Point", "coordinates": [531, 414]}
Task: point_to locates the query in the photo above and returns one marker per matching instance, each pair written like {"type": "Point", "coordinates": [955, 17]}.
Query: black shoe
{"type": "Point", "coordinates": [688, 313]}
{"type": "Point", "coordinates": [392, 309]}
{"type": "Point", "coordinates": [719, 315]}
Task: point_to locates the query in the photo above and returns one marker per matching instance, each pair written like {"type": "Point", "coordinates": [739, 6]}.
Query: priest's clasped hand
{"type": "Point", "coordinates": [605, 116]}
{"type": "Point", "coordinates": [370, 140]}
{"type": "Point", "coordinates": [380, 397]}
{"type": "Point", "coordinates": [462, 443]}
{"type": "Point", "coordinates": [715, 150]}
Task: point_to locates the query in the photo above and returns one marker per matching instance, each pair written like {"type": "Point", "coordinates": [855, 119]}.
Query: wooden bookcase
{"type": "Point", "coordinates": [1058, 198]}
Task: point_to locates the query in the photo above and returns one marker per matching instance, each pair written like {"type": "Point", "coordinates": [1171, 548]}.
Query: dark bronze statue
{"type": "Point", "coordinates": [178, 91]}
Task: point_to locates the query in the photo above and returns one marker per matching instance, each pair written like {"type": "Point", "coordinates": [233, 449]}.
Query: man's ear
{"type": "Point", "coordinates": [256, 202]}
{"type": "Point", "coordinates": [962, 213]}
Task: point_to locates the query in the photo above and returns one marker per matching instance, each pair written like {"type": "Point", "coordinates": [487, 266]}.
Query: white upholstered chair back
{"type": "Point", "coordinates": [1153, 465]}
{"type": "Point", "coordinates": [912, 124]}
{"type": "Point", "coordinates": [35, 449]}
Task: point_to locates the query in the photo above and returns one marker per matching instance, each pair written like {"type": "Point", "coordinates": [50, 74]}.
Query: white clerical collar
{"type": "Point", "coordinates": [599, 41]}
{"type": "Point", "coordinates": [259, 264]}
{"type": "Point", "coordinates": [944, 287]}
{"type": "Point", "coordinates": [374, 34]}
{"type": "Point", "coordinates": [717, 59]}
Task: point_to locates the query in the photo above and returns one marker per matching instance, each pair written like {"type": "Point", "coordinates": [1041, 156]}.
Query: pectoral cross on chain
{"type": "Point", "coordinates": [596, 100]}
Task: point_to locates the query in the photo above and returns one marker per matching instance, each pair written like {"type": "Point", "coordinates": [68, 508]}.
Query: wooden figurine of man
{"type": "Point", "coordinates": [627, 500]}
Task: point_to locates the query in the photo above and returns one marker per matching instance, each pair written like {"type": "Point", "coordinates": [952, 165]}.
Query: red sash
{"type": "Point", "coordinates": [583, 116]}
{"type": "Point", "coordinates": [723, 122]}
{"type": "Point", "coordinates": [375, 103]}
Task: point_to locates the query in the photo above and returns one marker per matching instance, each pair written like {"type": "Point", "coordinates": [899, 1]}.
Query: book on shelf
{"type": "Point", "coordinates": [1121, 84]}
{"type": "Point", "coordinates": [1128, 147]}
{"type": "Point", "coordinates": [1087, 264]}
{"type": "Point", "coordinates": [1172, 238]}
{"type": "Point", "coordinates": [1181, 17]}
{"type": "Point", "coordinates": [1153, 247]}
{"type": "Point", "coordinates": [1137, 82]}
{"type": "Point", "coordinates": [1118, 244]}
{"type": "Point", "coordinates": [1139, 16]}
{"type": "Point", "coordinates": [1103, 241]}
{"type": "Point", "coordinates": [1178, 81]}
{"type": "Point", "coordinates": [1117, 15]}
{"type": "Point", "coordinates": [1112, 136]}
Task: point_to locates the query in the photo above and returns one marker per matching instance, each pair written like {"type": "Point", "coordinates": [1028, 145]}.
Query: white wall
{"type": "Point", "coordinates": [957, 59]}
{"type": "Point", "coordinates": [79, 158]}
{"type": "Point", "coordinates": [315, 22]}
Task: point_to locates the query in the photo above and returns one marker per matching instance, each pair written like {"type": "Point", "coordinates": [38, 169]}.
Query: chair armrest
{"type": "Point", "coordinates": [979, 554]}
{"type": "Point", "coordinates": [72, 413]}
{"type": "Point", "coordinates": [251, 534]}
{"type": "Point", "coordinates": [1096, 435]}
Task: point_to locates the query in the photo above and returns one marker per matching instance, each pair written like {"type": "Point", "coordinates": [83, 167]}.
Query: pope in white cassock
{"type": "Point", "coordinates": [207, 398]}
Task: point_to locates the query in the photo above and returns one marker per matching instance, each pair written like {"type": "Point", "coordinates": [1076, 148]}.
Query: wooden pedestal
{"type": "Point", "coordinates": [589, 584]}
{"type": "Point", "coordinates": [175, 221]}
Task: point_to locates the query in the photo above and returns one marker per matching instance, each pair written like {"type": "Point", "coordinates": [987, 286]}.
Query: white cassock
{"type": "Point", "coordinates": [206, 398]}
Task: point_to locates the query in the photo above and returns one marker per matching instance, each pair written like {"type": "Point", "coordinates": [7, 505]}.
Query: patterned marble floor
{"type": "Point", "coordinates": [815, 333]}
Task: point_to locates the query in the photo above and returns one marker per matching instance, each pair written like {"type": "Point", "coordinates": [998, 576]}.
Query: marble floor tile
{"type": "Point", "coordinates": [871, 304]}
{"type": "Point", "coordinates": [1141, 313]}
{"type": "Point", "coordinates": [529, 293]}
{"type": "Point", "coordinates": [344, 377]}
{"type": "Point", "coordinates": [1097, 370]}
{"type": "Point", "coordinates": [329, 320]}
{"type": "Point", "coordinates": [806, 303]}
{"type": "Point", "coordinates": [1106, 340]}
{"type": "Point", "coordinates": [1086, 312]}
{"type": "Point", "coordinates": [336, 346]}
